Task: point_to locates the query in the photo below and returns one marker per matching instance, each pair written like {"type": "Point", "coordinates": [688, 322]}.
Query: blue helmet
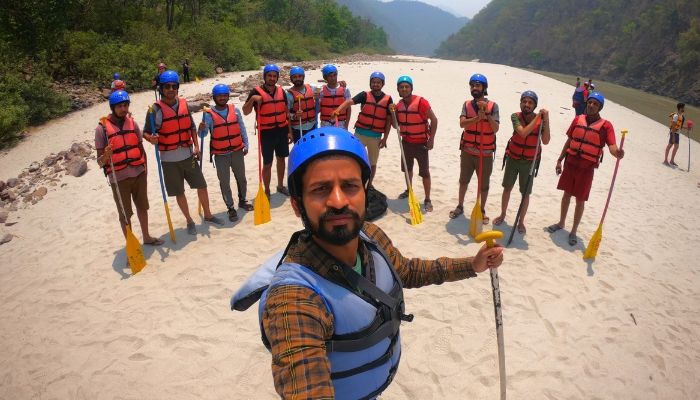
{"type": "Point", "coordinates": [116, 76]}
{"type": "Point", "coordinates": [328, 69]}
{"type": "Point", "coordinates": [271, 68]}
{"type": "Point", "coordinates": [296, 70]}
{"type": "Point", "coordinates": [323, 141]}
{"type": "Point", "coordinates": [598, 97]}
{"type": "Point", "coordinates": [220, 89]}
{"type": "Point", "coordinates": [406, 79]}
{"type": "Point", "coordinates": [479, 78]}
{"type": "Point", "coordinates": [530, 94]}
{"type": "Point", "coordinates": [169, 76]}
{"type": "Point", "coordinates": [117, 97]}
{"type": "Point", "coordinates": [377, 74]}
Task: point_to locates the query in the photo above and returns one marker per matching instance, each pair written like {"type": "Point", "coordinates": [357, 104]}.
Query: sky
{"type": "Point", "coordinates": [462, 8]}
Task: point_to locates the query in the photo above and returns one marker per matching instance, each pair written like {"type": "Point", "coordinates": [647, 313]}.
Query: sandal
{"type": "Point", "coordinates": [498, 220]}
{"type": "Point", "coordinates": [404, 194]}
{"type": "Point", "coordinates": [572, 239]}
{"type": "Point", "coordinates": [459, 210]}
{"type": "Point", "coordinates": [245, 205]}
{"type": "Point", "coordinates": [154, 242]}
{"type": "Point", "coordinates": [283, 190]}
{"type": "Point", "coordinates": [553, 228]}
{"type": "Point", "coordinates": [428, 205]}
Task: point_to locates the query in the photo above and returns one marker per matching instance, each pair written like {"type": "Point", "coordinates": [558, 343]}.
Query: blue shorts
{"type": "Point", "coordinates": [674, 138]}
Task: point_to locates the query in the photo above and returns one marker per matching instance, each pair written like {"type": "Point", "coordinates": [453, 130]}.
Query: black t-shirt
{"type": "Point", "coordinates": [361, 98]}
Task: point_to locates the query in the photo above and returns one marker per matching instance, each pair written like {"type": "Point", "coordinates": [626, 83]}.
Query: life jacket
{"type": "Point", "coordinates": [478, 135]}
{"type": "Point", "coordinates": [587, 141]}
{"type": "Point", "coordinates": [330, 102]}
{"type": "Point", "coordinates": [273, 110]}
{"type": "Point", "coordinates": [125, 144]}
{"type": "Point", "coordinates": [226, 135]}
{"type": "Point", "coordinates": [308, 104]}
{"type": "Point", "coordinates": [413, 127]}
{"type": "Point", "coordinates": [520, 148]}
{"type": "Point", "coordinates": [373, 114]}
{"type": "Point", "coordinates": [675, 127]}
{"type": "Point", "coordinates": [175, 130]}
{"type": "Point", "coordinates": [365, 349]}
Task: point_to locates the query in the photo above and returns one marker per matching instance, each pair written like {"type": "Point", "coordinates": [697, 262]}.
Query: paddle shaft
{"type": "Point", "coordinates": [160, 177]}
{"type": "Point", "coordinates": [690, 130]}
{"type": "Point", "coordinates": [116, 186]}
{"type": "Point", "coordinates": [499, 330]}
{"type": "Point", "coordinates": [403, 156]}
{"type": "Point", "coordinates": [612, 183]}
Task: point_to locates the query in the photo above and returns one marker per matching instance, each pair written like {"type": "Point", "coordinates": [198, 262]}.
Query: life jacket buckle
{"type": "Point", "coordinates": [407, 318]}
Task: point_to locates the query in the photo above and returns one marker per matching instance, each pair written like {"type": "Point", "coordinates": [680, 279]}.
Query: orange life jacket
{"type": "Point", "coordinates": [587, 141]}
{"type": "Point", "coordinates": [373, 114]}
{"type": "Point", "coordinates": [308, 104]}
{"type": "Point", "coordinates": [675, 127]}
{"type": "Point", "coordinates": [413, 127]}
{"type": "Point", "coordinates": [273, 110]}
{"type": "Point", "coordinates": [520, 148]}
{"type": "Point", "coordinates": [226, 135]}
{"type": "Point", "coordinates": [175, 130]}
{"type": "Point", "coordinates": [330, 102]}
{"type": "Point", "coordinates": [478, 135]}
{"type": "Point", "coordinates": [125, 144]}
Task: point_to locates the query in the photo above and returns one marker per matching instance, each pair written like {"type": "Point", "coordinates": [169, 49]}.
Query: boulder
{"type": "Point", "coordinates": [3, 215]}
{"type": "Point", "coordinates": [33, 167]}
{"type": "Point", "coordinates": [4, 238]}
{"type": "Point", "coordinates": [12, 182]}
{"type": "Point", "coordinates": [76, 167]}
{"type": "Point", "coordinates": [2, 185]}
{"type": "Point", "coordinates": [80, 149]}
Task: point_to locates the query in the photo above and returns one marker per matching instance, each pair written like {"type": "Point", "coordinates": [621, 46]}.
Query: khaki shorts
{"type": "Point", "coordinates": [469, 163]}
{"type": "Point", "coordinates": [176, 173]}
{"type": "Point", "coordinates": [518, 169]}
{"type": "Point", "coordinates": [372, 145]}
{"type": "Point", "coordinates": [418, 152]}
{"type": "Point", "coordinates": [131, 188]}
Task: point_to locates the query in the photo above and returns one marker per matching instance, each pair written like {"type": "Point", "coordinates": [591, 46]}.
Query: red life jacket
{"type": "Point", "coordinates": [226, 135]}
{"type": "Point", "coordinates": [587, 141]}
{"type": "Point", "coordinates": [175, 130]}
{"type": "Point", "coordinates": [413, 127]}
{"type": "Point", "coordinates": [373, 114]}
{"type": "Point", "coordinates": [479, 131]}
{"type": "Point", "coordinates": [308, 104]}
{"type": "Point", "coordinates": [520, 148]}
{"type": "Point", "coordinates": [125, 144]}
{"type": "Point", "coordinates": [273, 110]}
{"type": "Point", "coordinates": [330, 102]}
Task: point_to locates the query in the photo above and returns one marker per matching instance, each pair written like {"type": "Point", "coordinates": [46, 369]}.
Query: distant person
{"type": "Point", "coordinates": [332, 95]}
{"type": "Point", "coordinates": [521, 153]}
{"type": "Point", "coordinates": [301, 98]}
{"type": "Point", "coordinates": [186, 70]}
{"type": "Point", "coordinates": [583, 150]}
{"type": "Point", "coordinates": [374, 121]}
{"type": "Point", "coordinates": [674, 135]}
{"type": "Point", "coordinates": [155, 82]}
{"type": "Point", "coordinates": [117, 82]}
{"type": "Point", "coordinates": [579, 97]}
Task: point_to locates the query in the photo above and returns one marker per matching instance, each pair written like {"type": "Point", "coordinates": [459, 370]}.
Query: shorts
{"type": "Point", "coordinates": [418, 152]}
{"type": "Point", "coordinates": [518, 169]}
{"type": "Point", "coordinates": [131, 188]}
{"type": "Point", "coordinates": [577, 178]}
{"type": "Point", "coordinates": [274, 142]}
{"type": "Point", "coordinates": [674, 138]}
{"type": "Point", "coordinates": [297, 136]}
{"type": "Point", "coordinates": [372, 145]}
{"type": "Point", "coordinates": [177, 172]}
{"type": "Point", "coordinates": [469, 163]}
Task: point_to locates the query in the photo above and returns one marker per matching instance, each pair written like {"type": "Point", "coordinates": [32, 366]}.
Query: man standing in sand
{"type": "Point", "coordinates": [374, 121]}
{"type": "Point", "coordinates": [480, 121]}
{"type": "Point", "coordinates": [302, 103]}
{"type": "Point", "coordinates": [332, 302]}
{"type": "Point", "coordinates": [175, 135]}
{"type": "Point", "coordinates": [674, 135]}
{"type": "Point", "coordinates": [587, 137]}
{"type": "Point", "coordinates": [118, 137]}
{"type": "Point", "coordinates": [271, 107]}
{"type": "Point", "coordinates": [521, 153]}
{"type": "Point", "coordinates": [417, 125]}
{"type": "Point", "coordinates": [332, 95]}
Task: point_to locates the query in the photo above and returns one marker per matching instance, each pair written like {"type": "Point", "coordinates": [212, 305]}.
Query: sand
{"type": "Point", "coordinates": [76, 325]}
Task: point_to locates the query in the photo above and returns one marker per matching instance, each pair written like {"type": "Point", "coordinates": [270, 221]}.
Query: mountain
{"type": "Point", "coordinates": [413, 27]}
{"type": "Point", "coordinates": [650, 45]}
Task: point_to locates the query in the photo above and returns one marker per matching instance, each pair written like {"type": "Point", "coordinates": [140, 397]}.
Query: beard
{"type": "Point", "coordinates": [337, 235]}
{"type": "Point", "coordinates": [477, 93]}
{"type": "Point", "coordinates": [298, 82]}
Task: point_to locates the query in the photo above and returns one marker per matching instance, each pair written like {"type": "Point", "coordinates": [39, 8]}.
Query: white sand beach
{"type": "Point", "coordinates": [76, 324]}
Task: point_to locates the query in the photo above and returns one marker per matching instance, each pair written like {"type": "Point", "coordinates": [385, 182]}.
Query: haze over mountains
{"type": "Point", "coordinates": [412, 27]}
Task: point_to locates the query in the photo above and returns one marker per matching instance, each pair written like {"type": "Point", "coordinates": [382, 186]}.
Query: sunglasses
{"type": "Point", "coordinates": [170, 86]}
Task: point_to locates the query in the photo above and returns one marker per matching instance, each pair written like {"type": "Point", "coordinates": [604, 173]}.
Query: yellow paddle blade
{"type": "Point", "coordinates": [261, 207]}
{"type": "Point", "coordinates": [475, 224]}
{"type": "Point", "coordinates": [134, 252]}
{"type": "Point", "coordinates": [170, 221]}
{"type": "Point", "coordinates": [199, 208]}
{"type": "Point", "coordinates": [414, 207]}
{"type": "Point", "coordinates": [593, 244]}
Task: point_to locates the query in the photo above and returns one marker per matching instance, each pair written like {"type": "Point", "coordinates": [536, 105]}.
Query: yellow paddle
{"type": "Point", "coordinates": [477, 217]}
{"type": "Point", "coordinates": [160, 177]}
{"type": "Point", "coordinates": [261, 205]}
{"type": "Point", "coordinates": [201, 161]}
{"type": "Point", "coordinates": [413, 206]}
{"type": "Point", "coordinates": [594, 243]}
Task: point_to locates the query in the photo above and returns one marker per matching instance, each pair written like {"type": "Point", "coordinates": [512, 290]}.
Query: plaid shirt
{"type": "Point", "coordinates": [297, 323]}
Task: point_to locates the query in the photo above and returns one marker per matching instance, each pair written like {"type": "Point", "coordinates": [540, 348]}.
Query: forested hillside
{"type": "Point", "coordinates": [646, 44]}
{"type": "Point", "coordinates": [45, 41]}
{"type": "Point", "coordinates": [413, 27]}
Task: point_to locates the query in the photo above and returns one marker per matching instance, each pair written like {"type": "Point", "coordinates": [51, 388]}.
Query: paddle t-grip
{"type": "Point", "coordinates": [489, 237]}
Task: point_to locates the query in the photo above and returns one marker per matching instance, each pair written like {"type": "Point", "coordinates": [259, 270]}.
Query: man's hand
{"type": "Point", "coordinates": [152, 139]}
{"type": "Point", "coordinates": [382, 142]}
{"type": "Point", "coordinates": [197, 153]}
{"type": "Point", "coordinates": [431, 143]}
{"type": "Point", "coordinates": [488, 257]}
{"type": "Point", "coordinates": [245, 151]}
{"type": "Point", "coordinates": [290, 137]}
{"type": "Point", "coordinates": [544, 114]}
{"type": "Point", "coordinates": [108, 151]}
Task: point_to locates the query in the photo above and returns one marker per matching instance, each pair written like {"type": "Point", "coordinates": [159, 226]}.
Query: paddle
{"type": "Point", "coordinates": [299, 98]}
{"type": "Point", "coordinates": [261, 205]}
{"type": "Point", "coordinates": [160, 174]}
{"type": "Point", "coordinates": [530, 177]}
{"type": "Point", "coordinates": [477, 217]}
{"type": "Point", "coordinates": [413, 206]}
{"type": "Point", "coordinates": [690, 130]}
{"type": "Point", "coordinates": [594, 243]}
{"type": "Point", "coordinates": [489, 237]}
{"type": "Point", "coordinates": [201, 159]}
{"type": "Point", "coordinates": [134, 251]}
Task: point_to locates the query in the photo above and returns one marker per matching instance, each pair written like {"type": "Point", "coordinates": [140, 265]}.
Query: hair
{"type": "Point", "coordinates": [680, 105]}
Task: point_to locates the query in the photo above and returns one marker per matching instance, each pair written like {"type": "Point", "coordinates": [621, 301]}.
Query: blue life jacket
{"type": "Point", "coordinates": [365, 348]}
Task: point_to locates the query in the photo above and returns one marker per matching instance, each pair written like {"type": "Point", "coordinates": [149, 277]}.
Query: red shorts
{"type": "Point", "coordinates": [577, 177]}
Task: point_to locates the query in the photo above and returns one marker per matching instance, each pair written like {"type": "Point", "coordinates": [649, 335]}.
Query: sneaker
{"type": "Point", "coordinates": [232, 215]}
{"type": "Point", "coordinates": [214, 220]}
{"type": "Point", "coordinates": [404, 194]}
{"type": "Point", "coordinates": [245, 205]}
{"type": "Point", "coordinates": [191, 228]}
{"type": "Point", "coordinates": [283, 190]}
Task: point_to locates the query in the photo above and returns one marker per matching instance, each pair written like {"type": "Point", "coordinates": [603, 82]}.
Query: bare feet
{"type": "Point", "coordinates": [499, 220]}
